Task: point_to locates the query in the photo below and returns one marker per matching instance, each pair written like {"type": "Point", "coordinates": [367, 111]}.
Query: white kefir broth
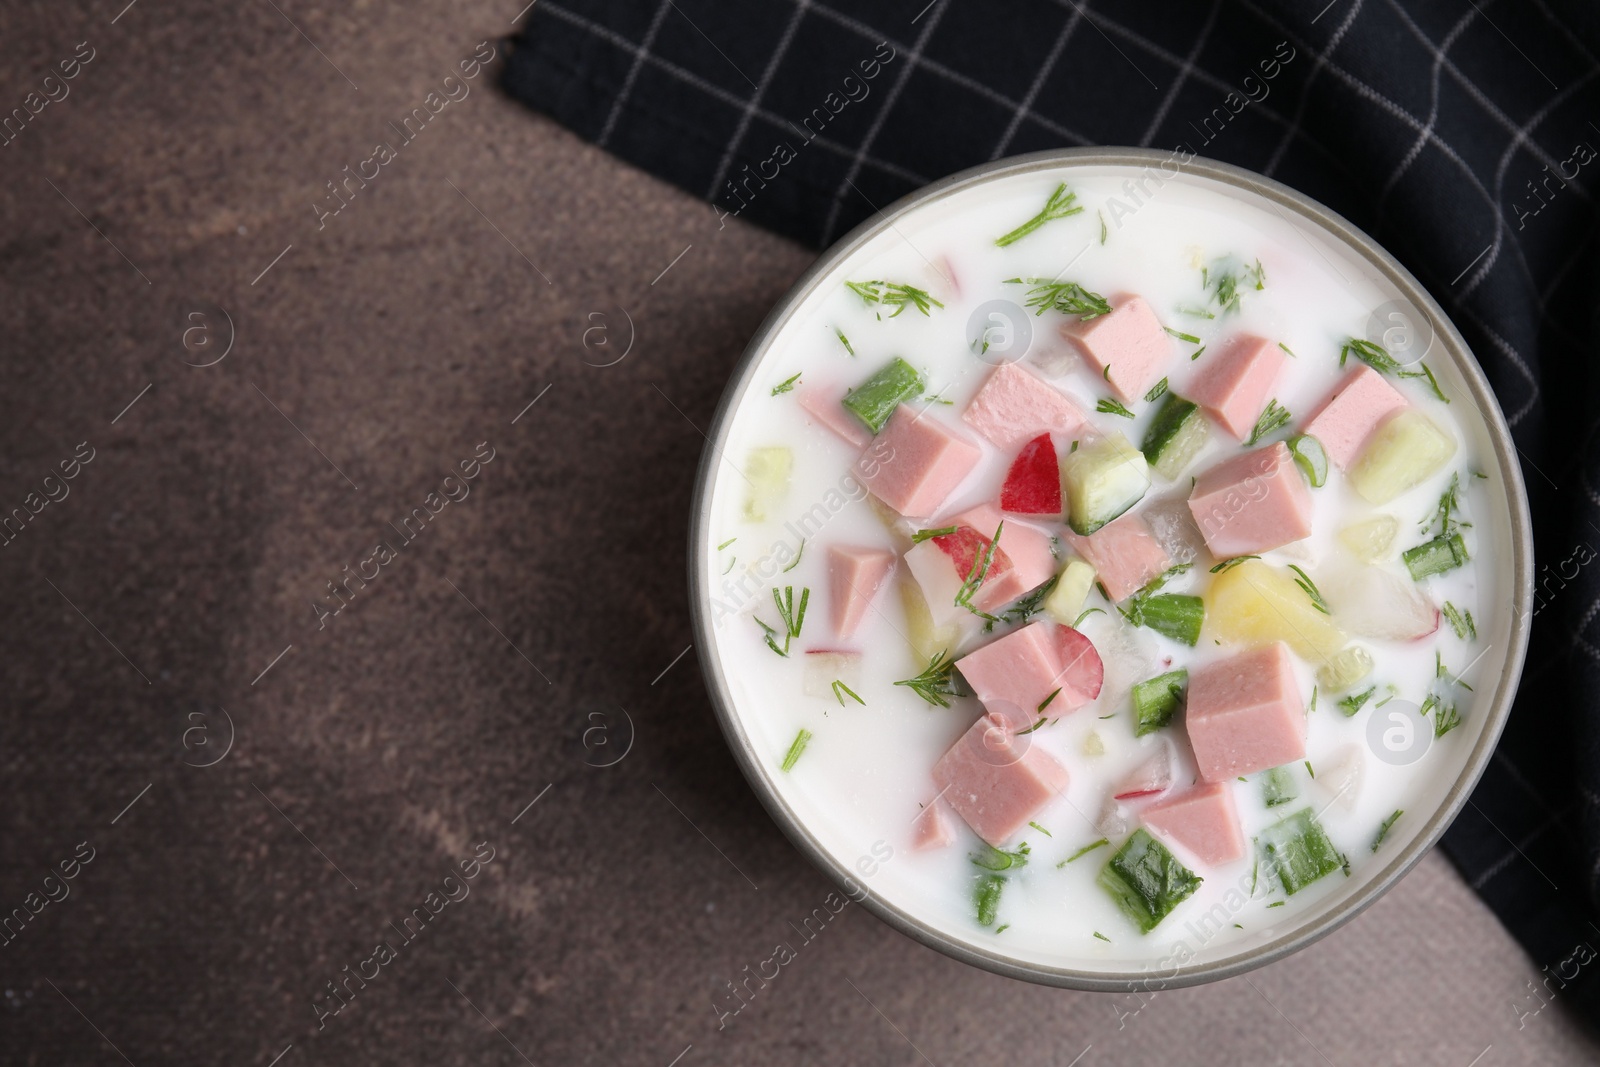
{"type": "Point", "coordinates": [866, 770]}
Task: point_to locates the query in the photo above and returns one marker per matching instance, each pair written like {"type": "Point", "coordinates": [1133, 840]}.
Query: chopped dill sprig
{"type": "Point", "coordinates": [1383, 831]}
{"type": "Point", "coordinates": [1229, 564]}
{"type": "Point", "coordinates": [1102, 937]}
{"type": "Point", "coordinates": [1460, 621]}
{"type": "Point", "coordinates": [1062, 203]}
{"type": "Point", "coordinates": [923, 535]}
{"type": "Point", "coordinates": [1084, 614]}
{"type": "Point", "coordinates": [998, 859]}
{"type": "Point", "coordinates": [1444, 514]}
{"type": "Point", "coordinates": [936, 683]}
{"type": "Point", "coordinates": [840, 688]}
{"type": "Point", "coordinates": [1199, 313]}
{"type": "Point", "coordinates": [895, 295]}
{"type": "Point", "coordinates": [1309, 587]}
{"type": "Point", "coordinates": [793, 563]}
{"type": "Point", "coordinates": [1222, 281]}
{"type": "Point", "coordinates": [1180, 335]}
{"type": "Point", "coordinates": [1084, 851]}
{"type": "Point", "coordinates": [1287, 349]}
{"type": "Point", "coordinates": [731, 561]}
{"type": "Point", "coordinates": [1155, 391]}
{"type": "Point", "coordinates": [1378, 358]}
{"type": "Point", "coordinates": [1356, 701]}
{"type": "Point", "coordinates": [792, 619]}
{"type": "Point", "coordinates": [726, 543]}
{"type": "Point", "coordinates": [1111, 406]}
{"type": "Point", "coordinates": [1273, 418]}
{"type": "Point", "coordinates": [1196, 353]}
{"type": "Point", "coordinates": [786, 385]}
{"type": "Point", "coordinates": [1045, 703]}
{"type": "Point", "coordinates": [1069, 298]}
{"type": "Point", "coordinates": [843, 340]}
{"type": "Point", "coordinates": [981, 562]}
{"type": "Point", "coordinates": [1446, 716]}
{"type": "Point", "coordinates": [1102, 227]}
{"type": "Point", "coordinates": [1041, 829]}
{"type": "Point", "coordinates": [801, 739]}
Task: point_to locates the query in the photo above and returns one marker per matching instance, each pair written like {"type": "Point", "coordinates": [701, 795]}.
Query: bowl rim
{"type": "Point", "coordinates": [1309, 210]}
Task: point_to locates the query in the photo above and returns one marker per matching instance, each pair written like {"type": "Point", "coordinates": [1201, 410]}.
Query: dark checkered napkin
{"type": "Point", "coordinates": [1462, 135]}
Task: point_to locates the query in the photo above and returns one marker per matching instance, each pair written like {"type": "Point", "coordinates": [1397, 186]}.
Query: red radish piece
{"type": "Point", "coordinates": [966, 546]}
{"type": "Point", "coordinates": [1373, 602]}
{"type": "Point", "coordinates": [1033, 484]}
{"type": "Point", "coordinates": [1081, 668]}
{"type": "Point", "coordinates": [1149, 778]}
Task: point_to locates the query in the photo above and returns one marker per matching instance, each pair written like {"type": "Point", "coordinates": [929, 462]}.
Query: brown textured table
{"type": "Point", "coordinates": [163, 604]}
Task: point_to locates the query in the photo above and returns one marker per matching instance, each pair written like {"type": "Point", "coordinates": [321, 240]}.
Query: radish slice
{"type": "Point", "coordinates": [1081, 668]}
{"type": "Point", "coordinates": [966, 548]}
{"type": "Point", "coordinates": [1373, 602]}
{"type": "Point", "coordinates": [1149, 778]}
{"type": "Point", "coordinates": [1033, 484]}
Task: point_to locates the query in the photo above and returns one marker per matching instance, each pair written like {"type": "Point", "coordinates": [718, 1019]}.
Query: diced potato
{"type": "Point", "coordinates": [1065, 602]}
{"type": "Point", "coordinates": [1404, 452]}
{"type": "Point", "coordinates": [768, 470]}
{"type": "Point", "coordinates": [1094, 745]}
{"type": "Point", "coordinates": [1345, 669]}
{"type": "Point", "coordinates": [927, 640]}
{"type": "Point", "coordinates": [1370, 539]}
{"type": "Point", "coordinates": [1255, 603]}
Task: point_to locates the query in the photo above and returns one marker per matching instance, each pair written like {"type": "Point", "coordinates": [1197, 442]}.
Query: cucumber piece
{"type": "Point", "coordinates": [1102, 480]}
{"type": "Point", "coordinates": [1176, 435]}
{"type": "Point", "coordinates": [1065, 601]}
{"type": "Point", "coordinates": [1277, 787]}
{"type": "Point", "coordinates": [1311, 458]}
{"type": "Point", "coordinates": [875, 399]}
{"type": "Point", "coordinates": [768, 470]}
{"type": "Point", "coordinates": [1157, 699]}
{"type": "Point", "coordinates": [1176, 615]}
{"type": "Point", "coordinates": [1296, 849]}
{"type": "Point", "coordinates": [1435, 557]}
{"type": "Point", "coordinates": [1404, 452]}
{"type": "Point", "coordinates": [1346, 667]}
{"type": "Point", "coordinates": [1146, 881]}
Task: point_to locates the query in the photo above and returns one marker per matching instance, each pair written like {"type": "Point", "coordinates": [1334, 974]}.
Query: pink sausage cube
{"type": "Point", "coordinates": [916, 462]}
{"type": "Point", "coordinates": [1027, 548]}
{"type": "Point", "coordinates": [1202, 822]}
{"type": "Point", "coordinates": [996, 779]}
{"type": "Point", "coordinates": [1252, 503]}
{"type": "Point", "coordinates": [855, 575]}
{"type": "Point", "coordinates": [1015, 405]}
{"type": "Point", "coordinates": [1014, 674]}
{"type": "Point", "coordinates": [1235, 381]}
{"type": "Point", "coordinates": [1124, 553]}
{"type": "Point", "coordinates": [1347, 418]}
{"type": "Point", "coordinates": [1245, 714]}
{"type": "Point", "coordinates": [1129, 341]}
{"type": "Point", "coordinates": [824, 408]}
{"type": "Point", "coordinates": [931, 828]}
